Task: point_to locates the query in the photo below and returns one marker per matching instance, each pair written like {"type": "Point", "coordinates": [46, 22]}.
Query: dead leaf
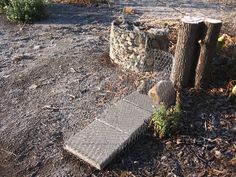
{"type": "Point", "coordinates": [218, 172]}
{"type": "Point", "coordinates": [17, 58]}
{"type": "Point", "coordinates": [129, 10]}
{"type": "Point", "coordinates": [232, 162]}
{"type": "Point", "coordinates": [217, 154]}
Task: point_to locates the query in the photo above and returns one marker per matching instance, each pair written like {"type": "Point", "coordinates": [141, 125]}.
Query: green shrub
{"type": "Point", "coordinates": [3, 4]}
{"type": "Point", "coordinates": [24, 10]}
{"type": "Point", "coordinates": [166, 121]}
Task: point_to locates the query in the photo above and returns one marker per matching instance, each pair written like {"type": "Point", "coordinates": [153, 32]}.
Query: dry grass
{"type": "Point", "coordinates": [83, 2]}
{"type": "Point", "coordinates": [228, 2]}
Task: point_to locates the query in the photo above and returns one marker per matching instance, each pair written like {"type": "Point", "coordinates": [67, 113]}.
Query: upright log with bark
{"type": "Point", "coordinates": [208, 45]}
{"type": "Point", "coordinates": [187, 52]}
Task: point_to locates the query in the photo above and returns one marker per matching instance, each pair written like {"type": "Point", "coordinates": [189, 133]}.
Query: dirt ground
{"type": "Point", "coordinates": [55, 78]}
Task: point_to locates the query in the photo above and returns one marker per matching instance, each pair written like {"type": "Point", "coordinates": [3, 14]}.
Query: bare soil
{"type": "Point", "coordinates": [56, 77]}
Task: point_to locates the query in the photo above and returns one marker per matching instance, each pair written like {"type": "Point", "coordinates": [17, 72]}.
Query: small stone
{"type": "Point", "coordinates": [116, 45]}
{"type": "Point", "coordinates": [136, 40]}
{"type": "Point", "coordinates": [50, 108]}
{"type": "Point", "coordinates": [72, 70]}
{"type": "Point", "coordinates": [130, 48]}
{"type": "Point", "coordinates": [17, 58]}
{"type": "Point", "coordinates": [133, 57]}
{"type": "Point", "coordinates": [156, 31]}
{"type": "Point", "coordinates": [130, 43]}
{"type": "Point", "coordinates": [6, 76]}
{"type": "Point", "coordinates": [33, 87]}
{"type": "Point", "coordinates": [136, 162]}
{"type": "Point", "coordinates": [131, 35]}
{"type": "Point", "coordinates": [37, 47]}
{"type": "Point", "coordinates": [171, 175]}
{"type": "Point", "coordinates": [128, 38]}
{"type": "Point", "coordinates": [47, 107]}
{"type": "Point", "coordinates": [72, 97]}
{"type": "Point", "coordinates": [136, 50]}
{"type": "Point", "coordinates": [139, 57]}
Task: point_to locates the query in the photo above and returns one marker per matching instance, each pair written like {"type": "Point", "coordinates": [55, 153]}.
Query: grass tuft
{"type": "Point", "coordinates": [165, 121]}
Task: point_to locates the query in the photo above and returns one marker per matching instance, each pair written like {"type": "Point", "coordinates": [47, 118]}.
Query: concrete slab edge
{"type": "Point", "coordinates": [132, 138]}
{"type": "Point", "coordinates": [83, 157]}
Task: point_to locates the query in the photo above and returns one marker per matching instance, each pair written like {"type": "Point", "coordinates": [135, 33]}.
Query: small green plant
{"type": "Point", "coordinates": [3, 4]}
{"type": "Point", "coordinates": [24, 10]}
{"type": "Point", "coordinates": [232, 89]}
{"type": "Point", "coordinates": [166, 121]}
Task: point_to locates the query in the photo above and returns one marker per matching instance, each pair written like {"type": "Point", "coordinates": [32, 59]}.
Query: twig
{"type": "Point", "coordinates": [200, 158]}
{"type": "Point", "coordinates": [8, 152]}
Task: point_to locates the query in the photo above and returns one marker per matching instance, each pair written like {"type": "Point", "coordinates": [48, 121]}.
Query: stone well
{"type": "Point", "coordinates": [130, 44]}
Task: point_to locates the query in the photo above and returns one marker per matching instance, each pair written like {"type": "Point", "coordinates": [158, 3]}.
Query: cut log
{"type": "Point", "coordinates": [187, 52]}
{"type": "Point", "coordinates": [208, 44]}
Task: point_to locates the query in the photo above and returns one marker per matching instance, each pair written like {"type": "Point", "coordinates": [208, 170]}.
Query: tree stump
{"type": "Point", "coordinates": [187, 52]}
{"type": "Point", "coordinates": [208, 45]}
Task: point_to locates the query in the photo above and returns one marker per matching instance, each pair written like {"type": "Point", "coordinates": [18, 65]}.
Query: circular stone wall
{"type": "Point", "coordinates": [130, 44]}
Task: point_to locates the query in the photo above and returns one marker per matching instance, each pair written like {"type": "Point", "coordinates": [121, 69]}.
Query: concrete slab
{"type": "Point", "coordinates": [97, 144]}
{"type": "Point", "coordinates": [110, 133]}
{"type": "Point", "coordinates": [125, 117]}
{"type": "Point", "coordinates": [140, 100]}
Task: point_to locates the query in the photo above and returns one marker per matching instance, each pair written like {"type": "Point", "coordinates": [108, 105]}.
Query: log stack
{"type": "Point", "coordinates": [187, 52]}
{"type": "Point", "coordinates": [194, 52]}
{"type": "Point", "coordinates": [208, 45]}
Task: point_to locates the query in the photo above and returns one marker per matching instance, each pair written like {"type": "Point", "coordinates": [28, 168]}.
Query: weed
{"type": "Point", "coordinates": [23, 10]}
{"type": "Point", "coordinates": [166, 121]}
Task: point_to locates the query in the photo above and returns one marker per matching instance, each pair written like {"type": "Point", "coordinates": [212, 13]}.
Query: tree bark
{"type": "Point", "coordinates": [208, 44]}
{"type": "Point", "coordinates": [187, 52]}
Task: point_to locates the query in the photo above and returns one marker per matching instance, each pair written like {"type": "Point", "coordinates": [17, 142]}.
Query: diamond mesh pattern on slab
{"type": "Point", "coordinates": [116, 128]}
{"type": "Point", "coordinates": [97, 144]}
{"type": "Point", "coordinates": [125, 116]}
{"type": "Point", "coordinates": [140, 100]}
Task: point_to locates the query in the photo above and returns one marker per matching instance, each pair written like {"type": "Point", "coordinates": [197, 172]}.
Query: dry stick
{"type": "Point", "coordinates": [208, 43]}
{"type": "Point", "coordinates": [187, 52]}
